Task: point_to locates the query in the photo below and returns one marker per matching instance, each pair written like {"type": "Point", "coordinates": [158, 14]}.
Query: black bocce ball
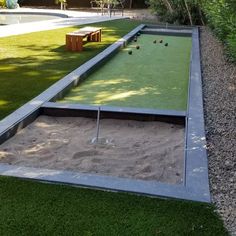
{"type": "Point", "coordinates": [161, 41]}
{"type": "Point", "coordinates": [154, 41]}
{"type": "Point", "coordinates": [137, 47]}
{"type": "Point", "coordinates": [166, 44]}
{"type": "Point", "coordinates": [130, 52]}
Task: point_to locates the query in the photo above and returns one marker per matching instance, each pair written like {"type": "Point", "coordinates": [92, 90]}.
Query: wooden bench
{"type": "Point", "coordinates": [74, 40]}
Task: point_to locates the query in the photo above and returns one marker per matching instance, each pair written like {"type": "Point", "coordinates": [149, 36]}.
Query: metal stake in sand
{"type": "Point", "coordinates": [100, 140]}
{"type": "Point", "coordinates": [95, 140]}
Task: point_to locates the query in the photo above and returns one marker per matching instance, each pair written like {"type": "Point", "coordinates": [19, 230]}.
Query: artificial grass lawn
{"type": "Point", "coordinates": [154, 76]}
{"type": "Point", "coordinates": [29, 208]}
{"type": "Point", "coordinates": [30, 63]}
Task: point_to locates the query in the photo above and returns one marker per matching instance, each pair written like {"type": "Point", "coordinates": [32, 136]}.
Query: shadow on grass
{"type": "Point", "coordinates": [35, 61]}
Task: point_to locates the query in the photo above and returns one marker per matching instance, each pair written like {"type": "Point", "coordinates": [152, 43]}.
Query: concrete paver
{"type": "Point", "coordinates": [74, 18]}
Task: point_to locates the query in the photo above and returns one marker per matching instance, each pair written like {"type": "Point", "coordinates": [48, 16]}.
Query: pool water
{"type": "Point", "coordinates": [9, 19]}
{"type": "Point", "coordinates": [154, 76]}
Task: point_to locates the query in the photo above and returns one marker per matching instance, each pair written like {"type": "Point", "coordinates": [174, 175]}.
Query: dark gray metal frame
{"type": "Point", "coordinates": [109, 112]}
{"type": "Point", "coordinates": [195, 186]}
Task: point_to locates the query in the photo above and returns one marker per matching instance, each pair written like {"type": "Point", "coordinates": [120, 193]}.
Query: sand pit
{"type": "Point", "coordinates": [139, 150]}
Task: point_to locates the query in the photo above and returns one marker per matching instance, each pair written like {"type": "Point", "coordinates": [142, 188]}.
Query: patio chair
{"type": "Point", "coordinates": [117, 6]}
{"type": "Point", "coordinates": [108, 6]}
{"type": "Point", "coordinates": [63, 5]}
{"type": "Point", "coordinates": [99, 5]}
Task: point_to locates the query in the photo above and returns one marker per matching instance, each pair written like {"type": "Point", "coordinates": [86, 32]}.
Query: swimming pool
{"type": "Point", "coordinates": [18, 18]}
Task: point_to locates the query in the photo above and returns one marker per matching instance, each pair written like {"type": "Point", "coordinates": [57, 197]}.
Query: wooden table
{"type": "Point", "coordinates": [74, 40]}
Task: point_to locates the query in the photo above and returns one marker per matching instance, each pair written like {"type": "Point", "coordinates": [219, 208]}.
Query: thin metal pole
{"type": "Point", "coordinates": [98, 124]}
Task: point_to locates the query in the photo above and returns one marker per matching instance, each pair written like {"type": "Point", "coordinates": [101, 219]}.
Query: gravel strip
{"type": "Point", "coordinates": [219, 91]}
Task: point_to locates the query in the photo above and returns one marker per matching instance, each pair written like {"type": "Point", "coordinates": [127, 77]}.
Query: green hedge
{"type": "Point", "coordinates": [221, 16]}
{"type": "Point", "coordinates": [177, 11]}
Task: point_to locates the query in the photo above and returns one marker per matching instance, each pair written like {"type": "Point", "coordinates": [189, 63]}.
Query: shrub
{"type": "Point", "coordinates": [220, 15]}
{"type": "Point", "coordinates": [177, 11]}
{"type": "Point", "coordinates": [2, 3]}
{"type": "Point", "coordinates": [231, 46]}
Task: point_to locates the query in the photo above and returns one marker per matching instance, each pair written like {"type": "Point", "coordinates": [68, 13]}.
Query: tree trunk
{"type": "Point", "coordinates": [168, 6]}
{"type": "Point", "coordinates": [189, 13]}
{"type": "Point", "coordinates": [130, 4]}
{"type": "Point", "coordinates": [200, 14]}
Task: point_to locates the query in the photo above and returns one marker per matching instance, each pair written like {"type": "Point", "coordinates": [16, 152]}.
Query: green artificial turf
{"type": "Point", "coordinates": [28, 208]}
{"type": "Point", "coordinates": [30, 63]}
{"type": "Point", "coordinates": [154, 76]}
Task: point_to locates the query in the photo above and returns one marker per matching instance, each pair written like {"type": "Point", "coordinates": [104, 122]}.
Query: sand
{"type": "Point", "coordinates": [135, 149]}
